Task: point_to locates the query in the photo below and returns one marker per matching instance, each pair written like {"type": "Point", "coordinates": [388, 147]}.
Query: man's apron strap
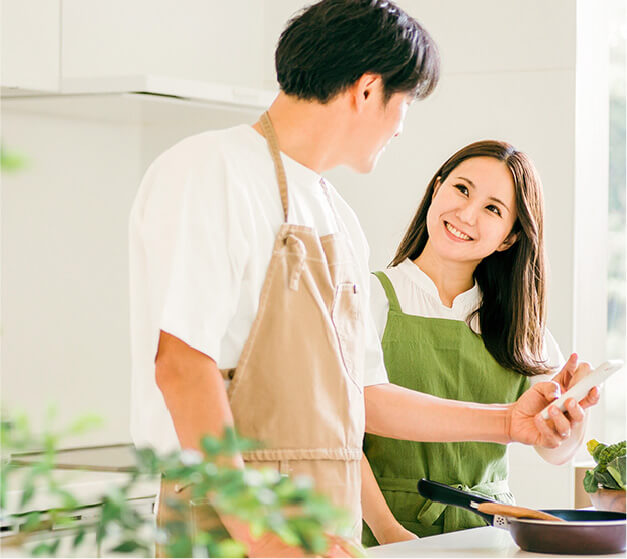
{"type": "Point", "coordinates": [273, 146]}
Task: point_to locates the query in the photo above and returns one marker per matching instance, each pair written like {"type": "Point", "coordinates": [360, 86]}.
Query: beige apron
{"type": "Point", "coordinates": [298, 385]}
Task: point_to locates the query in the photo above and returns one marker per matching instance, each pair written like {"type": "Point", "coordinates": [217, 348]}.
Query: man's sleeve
{"type": "Point", "coordinates": [195, 251]}
{"type": "Point", "coordinates": [375, 372]}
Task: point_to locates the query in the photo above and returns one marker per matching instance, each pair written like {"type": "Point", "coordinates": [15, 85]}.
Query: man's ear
{"type": "Point", "coordinates": [364, 88]}
{"type": "Point", "coordinates": [508, 242]}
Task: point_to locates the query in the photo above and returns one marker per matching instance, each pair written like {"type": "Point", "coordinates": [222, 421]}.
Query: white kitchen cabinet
{"type": "Point", "coordinates": [31, 44]}
{"type": "Point", "coordinates": [191, 39]}
{"type": "Point", "coordinates": [88, 487]}
{"type": "Point", "coordinates": [47, 42]}
{"type": "Point", "coordinates": [89, 546]}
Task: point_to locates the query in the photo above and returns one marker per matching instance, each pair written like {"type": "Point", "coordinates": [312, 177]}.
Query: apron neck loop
{"type": "Point", "coordinates": [273, 145]}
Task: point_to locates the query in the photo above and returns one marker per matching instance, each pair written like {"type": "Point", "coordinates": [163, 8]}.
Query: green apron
{"type": "Point", "coordinates": [444, 358]}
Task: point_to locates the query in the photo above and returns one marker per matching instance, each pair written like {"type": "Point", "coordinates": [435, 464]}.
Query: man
{"type": "Point", "coordinates": [247, 265]}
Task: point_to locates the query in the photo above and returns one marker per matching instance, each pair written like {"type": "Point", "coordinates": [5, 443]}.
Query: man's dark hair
{"type": "Point", "coordinates": [328, 46]}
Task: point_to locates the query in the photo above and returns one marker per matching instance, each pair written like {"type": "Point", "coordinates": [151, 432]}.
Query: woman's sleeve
{"type": "Point", "coordinates": [552, 356]}
{"type": "Point", "coordinates": [379, 305]}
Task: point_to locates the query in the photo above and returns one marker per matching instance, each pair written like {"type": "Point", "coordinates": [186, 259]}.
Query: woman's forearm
{"type": "Point", "coordinates": [375, 510]}
{"type": "Point", "coordinates": [399, 413]}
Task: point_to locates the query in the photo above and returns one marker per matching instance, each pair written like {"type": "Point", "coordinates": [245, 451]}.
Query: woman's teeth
{"type": "Point", "coordinates": [457, 233]}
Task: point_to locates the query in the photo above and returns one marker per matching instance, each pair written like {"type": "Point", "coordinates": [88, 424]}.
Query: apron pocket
{"type": "Point", "coordinates": [348, 322]}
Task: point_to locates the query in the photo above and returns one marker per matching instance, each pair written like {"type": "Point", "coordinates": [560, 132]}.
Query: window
{"type": "Point", "coordinates": [614, 392]}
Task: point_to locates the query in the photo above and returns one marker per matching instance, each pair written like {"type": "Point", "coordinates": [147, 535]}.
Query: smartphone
{"type": "Point", "coordinates": [579, 391]}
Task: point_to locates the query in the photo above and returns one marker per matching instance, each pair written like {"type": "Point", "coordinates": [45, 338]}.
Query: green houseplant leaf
{"type": "Point", "coordinates": [266, 500]}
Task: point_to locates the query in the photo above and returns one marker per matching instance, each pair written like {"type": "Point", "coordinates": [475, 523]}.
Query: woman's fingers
{"type": "Point", "coordinates": [583, 370]}
{"type": "Point", "coordinates": [592, 398]}
{"type": "Point", "coordinates": [550, 390]}
{"type": "Point", "coordinates": [561, 424]}
{"type": "Point", "coordinates": [548, 436]}
{"type": "Point", "coordinates": [564, 377]}
{"type": "Point", "coordinates": [575, 411]}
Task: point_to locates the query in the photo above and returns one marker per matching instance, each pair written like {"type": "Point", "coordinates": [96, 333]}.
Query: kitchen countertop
{"type": "Point", "coordinates": [476, 542]}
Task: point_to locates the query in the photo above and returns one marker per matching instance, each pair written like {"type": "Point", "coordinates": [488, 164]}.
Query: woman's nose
{"type": "Point", "coordinates": [467, 214]}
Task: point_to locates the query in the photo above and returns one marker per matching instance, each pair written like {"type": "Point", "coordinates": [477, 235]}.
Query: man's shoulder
{"type": "Point", "coordinates": [207, 148]}
{"type": "Point", "coordinates": [344, 209]}
{"type": "Point", "coordinates": [350, 218]}
{"type": "Point", "coordinates": [199, 169]}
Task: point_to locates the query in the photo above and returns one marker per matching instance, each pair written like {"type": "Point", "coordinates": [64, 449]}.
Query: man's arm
{"type": "Point", "coordinates": [399, 413]}
{"type": "Point", "coordinates": [193, 390]}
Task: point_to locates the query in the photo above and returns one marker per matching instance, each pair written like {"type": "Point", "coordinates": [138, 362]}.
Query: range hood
{"type": "Point", "coordinates": [214, 94]}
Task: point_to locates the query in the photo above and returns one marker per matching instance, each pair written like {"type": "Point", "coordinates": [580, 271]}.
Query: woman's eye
{"type": "Point", "coordinates": [462, 188]}
{"type": "Point", "coordinates": [494, 209]}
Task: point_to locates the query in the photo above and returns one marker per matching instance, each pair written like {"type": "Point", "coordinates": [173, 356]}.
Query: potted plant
{"type": "Point", "coordinates": [267, 501]}
{"type": "Point", "coordinates": [606, 483]}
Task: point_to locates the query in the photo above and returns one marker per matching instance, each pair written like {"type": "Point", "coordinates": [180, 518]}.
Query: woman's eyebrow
{"type": "Point", "coordinates": [491, 197]}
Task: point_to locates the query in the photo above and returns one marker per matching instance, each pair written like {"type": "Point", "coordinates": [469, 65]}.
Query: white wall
{"type": "Point", "coordinates": [509, 72]}
{"type": "Point", "coordinates": [65, 322]}
{"type": "Point", "coordinates": [64, 282]}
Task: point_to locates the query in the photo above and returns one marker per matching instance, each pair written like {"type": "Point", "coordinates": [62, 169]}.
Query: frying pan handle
{"type": "Point", "coordinates": [441, 493]}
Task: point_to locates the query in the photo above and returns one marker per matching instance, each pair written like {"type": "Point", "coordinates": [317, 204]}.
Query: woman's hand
{"type": "Point", "coordinates": [524, 427]}
{"type": "Point", "coordinates": [573, 430]}
{"type": "Point", "coordinates": [571, 374]}
{"type": "Point", "coordinates": [527, 426]}
{"type": "Point", "coordinates": [393, 533]}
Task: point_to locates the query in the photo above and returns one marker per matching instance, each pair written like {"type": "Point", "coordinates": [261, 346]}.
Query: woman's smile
{"type": "Point", "coordinates": [456, 234]}
{"type": "Point", "coordinates": [473, 211]}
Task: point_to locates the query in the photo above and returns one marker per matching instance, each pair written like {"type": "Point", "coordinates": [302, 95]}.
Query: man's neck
{"type": "Point", "coordinates": [450, 278]}
{"type": "Point", "coordinates": [307, 131]}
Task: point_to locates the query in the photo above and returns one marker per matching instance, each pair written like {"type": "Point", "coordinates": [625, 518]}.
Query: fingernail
{"type": "Point", "coordinates": [553, 411]}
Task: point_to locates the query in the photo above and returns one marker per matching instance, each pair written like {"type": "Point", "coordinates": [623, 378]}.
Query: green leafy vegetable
{"type": "Point", "coordinates": [610, 469]}
{"type": "Point", "coordinates": [617, 469]}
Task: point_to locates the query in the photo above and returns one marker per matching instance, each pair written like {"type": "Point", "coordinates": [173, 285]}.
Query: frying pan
{"type": "Point", "coordinates": [585, 532]}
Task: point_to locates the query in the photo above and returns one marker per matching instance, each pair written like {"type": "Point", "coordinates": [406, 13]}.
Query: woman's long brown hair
{"type": "Point", "coordinates": [512, 313]}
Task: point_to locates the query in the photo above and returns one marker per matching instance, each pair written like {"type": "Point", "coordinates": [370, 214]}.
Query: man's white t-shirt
{"type": "Point", "coordinates": [202, 229]}
{"type": "Point", "coordinates": [418, 295]}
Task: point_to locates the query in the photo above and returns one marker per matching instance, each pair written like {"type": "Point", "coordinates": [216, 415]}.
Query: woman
{"type": "Point", "coordinates": [461, 315]}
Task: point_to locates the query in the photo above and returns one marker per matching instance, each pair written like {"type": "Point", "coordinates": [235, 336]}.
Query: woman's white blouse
{"type": "Point", "coordinates": [418, 295]}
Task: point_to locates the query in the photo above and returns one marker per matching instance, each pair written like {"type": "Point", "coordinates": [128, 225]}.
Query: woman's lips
{"type": "Point", "coordinates": [455, 233]}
